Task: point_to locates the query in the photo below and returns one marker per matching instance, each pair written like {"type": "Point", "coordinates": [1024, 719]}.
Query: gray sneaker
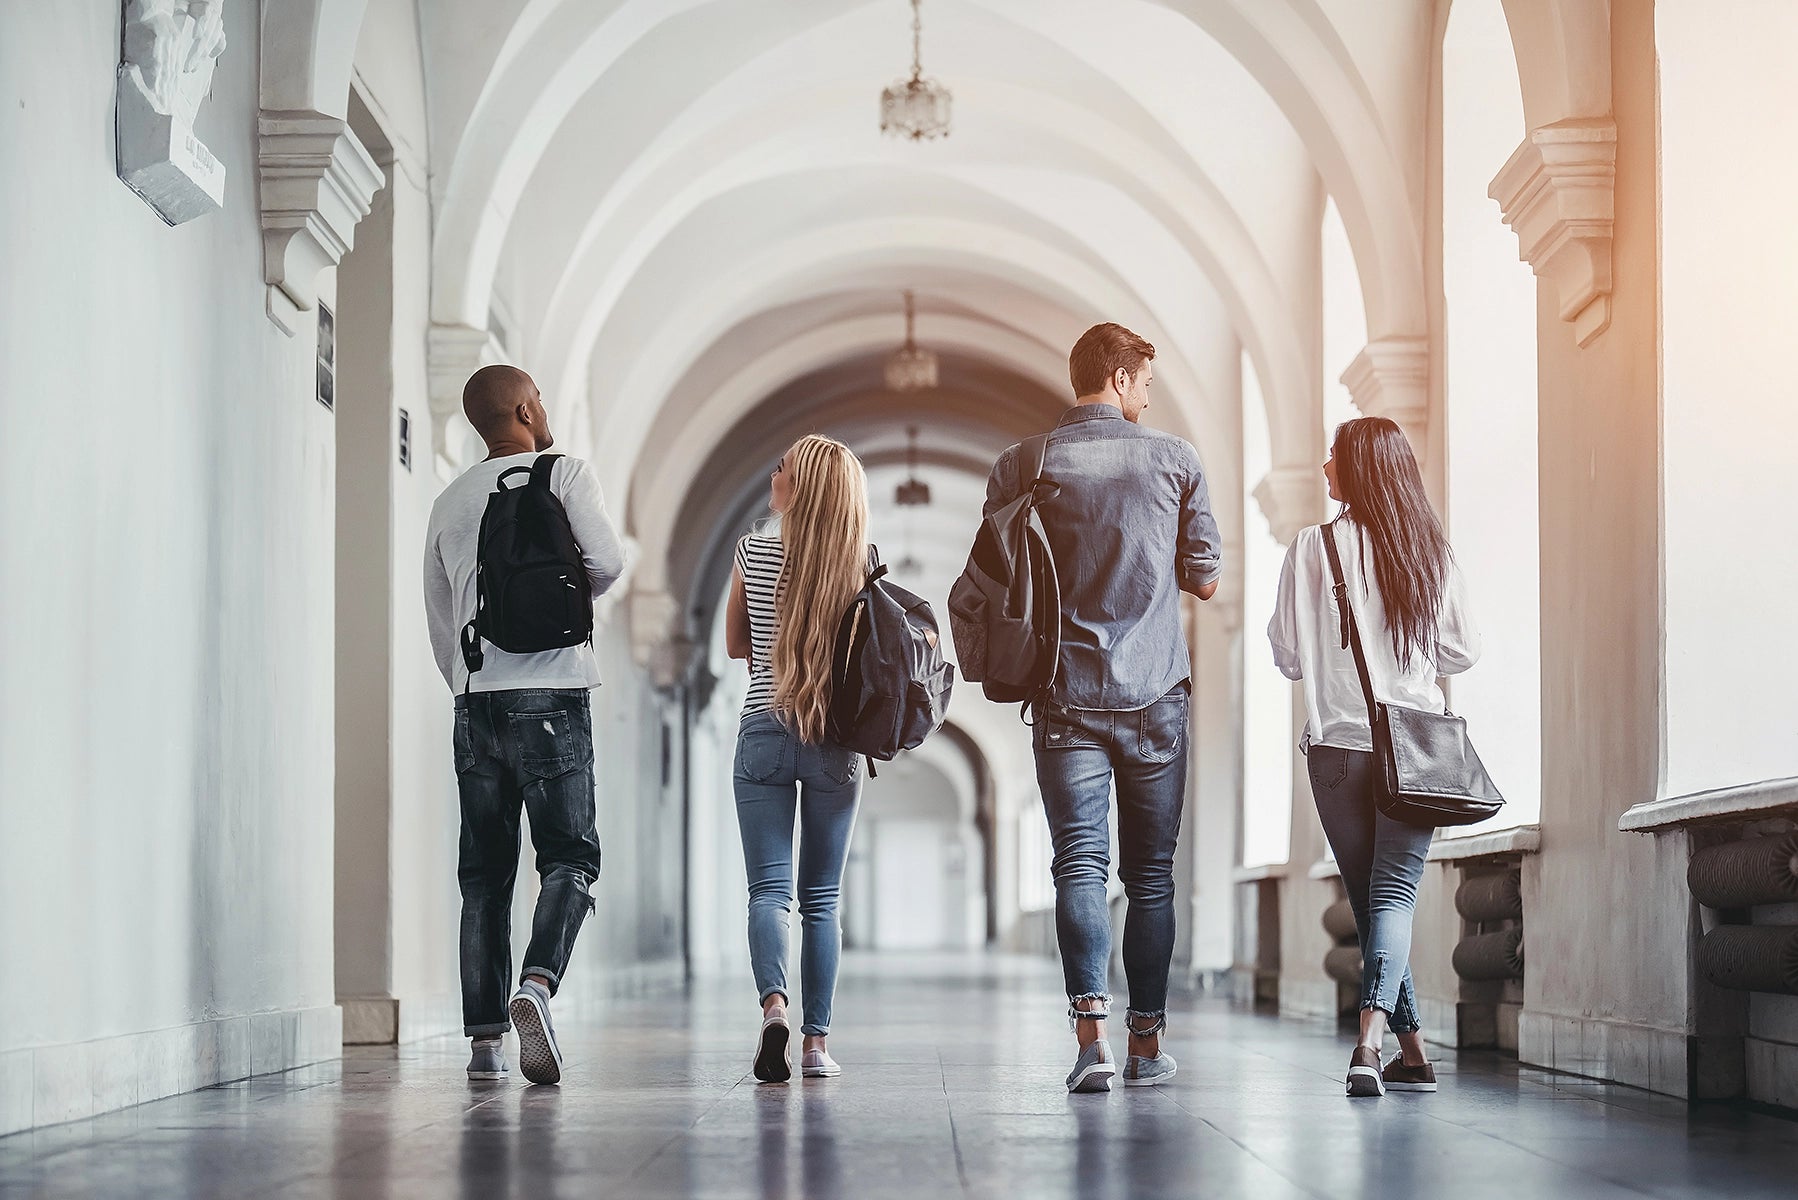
{"type": "Point", "coordinates": [488, 1060]}
{"type": "Point", "coordinates": [1093, 1069]}
{"type": "Point", "coordinates": [538, 1055]}
{"type": "Point", "coordinates": [1148, 1072]}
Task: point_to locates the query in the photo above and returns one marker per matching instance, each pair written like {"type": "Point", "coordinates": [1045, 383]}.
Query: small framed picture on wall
{"type": "Point", "coordinates": [327, 357]}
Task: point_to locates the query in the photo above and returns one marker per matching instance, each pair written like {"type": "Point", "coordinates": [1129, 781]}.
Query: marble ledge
{"type": "Point", "coordinates": [1522, 839]}
{"type": "Point", "coordinates": [1324, 868]}
{"type": "Point", "coordinates": [1745, 802]}
{"type": "Point", "coordinates": [1257, 873]}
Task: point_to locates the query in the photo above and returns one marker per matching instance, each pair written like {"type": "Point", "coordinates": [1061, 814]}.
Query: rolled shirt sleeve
{"type": "Point", "coordinates": [1199, 551]}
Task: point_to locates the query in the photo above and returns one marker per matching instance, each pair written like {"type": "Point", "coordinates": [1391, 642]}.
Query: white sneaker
{"type": "Point", "coordinates": [818, 1064]}
{"type": "Point", "coordinates": [771, 1062]}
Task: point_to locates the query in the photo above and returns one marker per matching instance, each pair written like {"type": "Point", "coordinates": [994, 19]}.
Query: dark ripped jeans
{"type": "Point", "coordinates": [530, 749]}
{"type": "Point", "coordinates": [1078, 754]}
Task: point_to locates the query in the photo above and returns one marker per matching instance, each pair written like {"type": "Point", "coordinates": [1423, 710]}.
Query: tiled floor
{"type": "Point", "coordinates": [951, 1086]}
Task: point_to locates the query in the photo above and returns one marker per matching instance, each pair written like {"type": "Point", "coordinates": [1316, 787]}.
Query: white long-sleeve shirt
{"type": "Point", "coordinates": [1307, 641]}
{"type": "Point", "coordinates": [452, 550]}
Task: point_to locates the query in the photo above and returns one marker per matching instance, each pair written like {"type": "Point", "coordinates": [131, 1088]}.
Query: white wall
{"type": "Point", "coordinates": [1491, 407]}
{"type": "Point", "coordinates": [1729, 287]}
{"type": "Point", "coordinates": [1267, 695]}
{"type": "Point", "coordinates": [165, 657]}
{"type": "Point", "coordinates": [1344, 320]}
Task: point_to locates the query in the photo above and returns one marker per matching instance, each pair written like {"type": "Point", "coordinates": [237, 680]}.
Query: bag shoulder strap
{"type": "Point", "coordinates": [1032, 451]}
{"type": "Point", "coordinates": [541, 469]}
{"type": "Point", "coordinates": [1351, 632]}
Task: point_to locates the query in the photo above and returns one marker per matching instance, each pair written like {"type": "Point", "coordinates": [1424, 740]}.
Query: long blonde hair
{"type": "Point", "coordinates": [824, 533]}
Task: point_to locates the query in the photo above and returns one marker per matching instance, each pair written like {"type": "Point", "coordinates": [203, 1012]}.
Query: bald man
{"type": "Point", "coordinates": [523, 736]}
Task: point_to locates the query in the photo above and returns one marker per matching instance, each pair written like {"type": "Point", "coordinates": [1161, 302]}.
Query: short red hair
{"type": "Point", "coordinates": [1100, 352]}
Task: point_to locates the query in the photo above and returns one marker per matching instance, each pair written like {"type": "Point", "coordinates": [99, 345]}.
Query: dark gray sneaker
{"type": "Point", "coordinates": [1093, 1069]}
{"type": "Point", "coordinates": [1399, 1078]}
{"type": "Point", "coordinates": [538, 1055]}
{"type": "Point", "coordinates": [488, 1060]}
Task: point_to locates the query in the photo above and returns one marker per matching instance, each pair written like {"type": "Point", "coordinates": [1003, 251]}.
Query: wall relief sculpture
{"type": "Point", "coordinates": [165, 74]}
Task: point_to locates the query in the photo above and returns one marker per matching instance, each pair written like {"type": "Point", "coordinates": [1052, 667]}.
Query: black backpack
{"type": "Point", "coordinates": [1005, 609]}
{"type": "Point", "coordinates": [889, 684]}
{"type": "Point", "coordinates": [531, 586]}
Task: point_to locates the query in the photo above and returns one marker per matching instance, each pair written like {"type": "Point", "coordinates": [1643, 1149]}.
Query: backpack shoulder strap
{"type": "Point", "coordinates": [541, 469]}
{"type": "Point", "coordinates": [1351, 633]}
{"type": "Point", "coordinates": [1031, 452]}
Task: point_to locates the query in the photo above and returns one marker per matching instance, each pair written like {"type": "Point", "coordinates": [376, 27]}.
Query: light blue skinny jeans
{"type": "Point", "coordinates": [778, 777]}
{"type": "Point", "coordinates": [1382, 863]}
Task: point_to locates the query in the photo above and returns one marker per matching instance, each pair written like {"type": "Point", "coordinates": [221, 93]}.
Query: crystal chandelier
{"type": "Point", "coordinates": [914, 492]}
{"type": "Point", "coordinates": [910, 368]}
{"type": "Point", "coordinates": [915, 108]}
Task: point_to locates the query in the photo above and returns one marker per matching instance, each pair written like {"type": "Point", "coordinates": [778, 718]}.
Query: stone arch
{"type": "Point", "coordinates": [1563, 50]}
{"type": "Point", "coordinates": [308, 50]}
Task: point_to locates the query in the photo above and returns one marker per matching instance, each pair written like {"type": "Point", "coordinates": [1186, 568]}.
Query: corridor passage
{"type": "Point", "coordinates": [951, 1086]}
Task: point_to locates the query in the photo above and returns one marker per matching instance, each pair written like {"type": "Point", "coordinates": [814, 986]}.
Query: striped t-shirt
{"type": "Point", "coordinates": [759, 560]}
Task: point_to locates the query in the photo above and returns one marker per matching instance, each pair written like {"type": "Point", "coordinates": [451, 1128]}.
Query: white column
{"type": "Point", "coordinates": [1558, 191]}
{"type": "Point", "coordinates": [1391, 378]}
{"type": "Point", "coordinates": [317, 181]}
{"type": "Point", "coordinates": [454, 352]}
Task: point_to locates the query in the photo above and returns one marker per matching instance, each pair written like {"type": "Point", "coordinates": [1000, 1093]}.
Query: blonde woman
{"type": "Point", "coordinates": [790, 589]}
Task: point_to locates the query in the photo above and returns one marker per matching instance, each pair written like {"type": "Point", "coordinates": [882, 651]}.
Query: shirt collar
{"type": "Point", "coordinates": [1090, 412]}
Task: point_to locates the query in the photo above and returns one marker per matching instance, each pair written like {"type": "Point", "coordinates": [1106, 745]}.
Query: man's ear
{"type": "Point", "coordinates": [523, 412]}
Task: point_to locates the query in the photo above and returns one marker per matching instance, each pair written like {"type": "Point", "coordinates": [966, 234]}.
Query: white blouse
{"type": "Point", "coordinates": [1307, 640]}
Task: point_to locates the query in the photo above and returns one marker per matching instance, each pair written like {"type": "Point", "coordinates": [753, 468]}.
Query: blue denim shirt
{"type": "Point", "coordinates": [1129, 531]}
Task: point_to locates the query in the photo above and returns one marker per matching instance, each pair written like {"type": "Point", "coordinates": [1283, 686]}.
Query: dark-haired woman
{"type": "Point", "coordinates": [1409, 605]}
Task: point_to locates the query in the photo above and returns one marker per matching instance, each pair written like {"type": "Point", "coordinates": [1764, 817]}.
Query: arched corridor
{"type": "Point", "coordinates": [253, 250]}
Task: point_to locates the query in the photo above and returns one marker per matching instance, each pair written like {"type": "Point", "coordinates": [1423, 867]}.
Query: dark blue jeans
{"type": "Point", "coordinates": [1079, 753]}
{"type": "Point", "coordinates": [1381, 861]}
{"type": "Point", "coordinates": [530, 749]}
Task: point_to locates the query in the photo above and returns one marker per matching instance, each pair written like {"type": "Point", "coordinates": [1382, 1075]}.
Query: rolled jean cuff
{"type": "Point", "coordinates": [1076, 1014]}
{"type": "Point", "coordinates": [776, 991]}
{"type": "Point", "coordinates": [487, 1030]}
{"type": "Point", "coordinates": [555, 980]}
{"type": "Point", "coordinates": [810, 1030]}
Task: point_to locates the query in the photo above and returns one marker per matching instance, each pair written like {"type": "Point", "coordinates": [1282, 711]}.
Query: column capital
{"type": "Point", "coordinates": [318, 182]}
{"type": "Point", "coordinates": [452, 354]}
{"type": "Point", "coordinates": [1558, 191]}
{"type": "Point", "coordinates": [1291, 498]}
{"type": "Point", "coordinates": [1391, 378]}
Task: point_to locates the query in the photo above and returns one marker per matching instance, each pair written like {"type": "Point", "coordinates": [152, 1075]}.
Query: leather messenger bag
{"type": "Point", "coordinates": [1428, 771]}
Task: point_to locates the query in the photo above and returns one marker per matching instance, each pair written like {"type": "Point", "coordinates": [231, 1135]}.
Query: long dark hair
{"type": "Point", "coordinates": [1382, 493]}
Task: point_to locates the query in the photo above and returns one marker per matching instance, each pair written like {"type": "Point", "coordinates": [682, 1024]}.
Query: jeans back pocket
{"type": "Point", "coordinates": [1161, 729]}
{"type": "Point", "coordinates": [550, 743]}
{"type": "Point", "coordinates": [761, 751]}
